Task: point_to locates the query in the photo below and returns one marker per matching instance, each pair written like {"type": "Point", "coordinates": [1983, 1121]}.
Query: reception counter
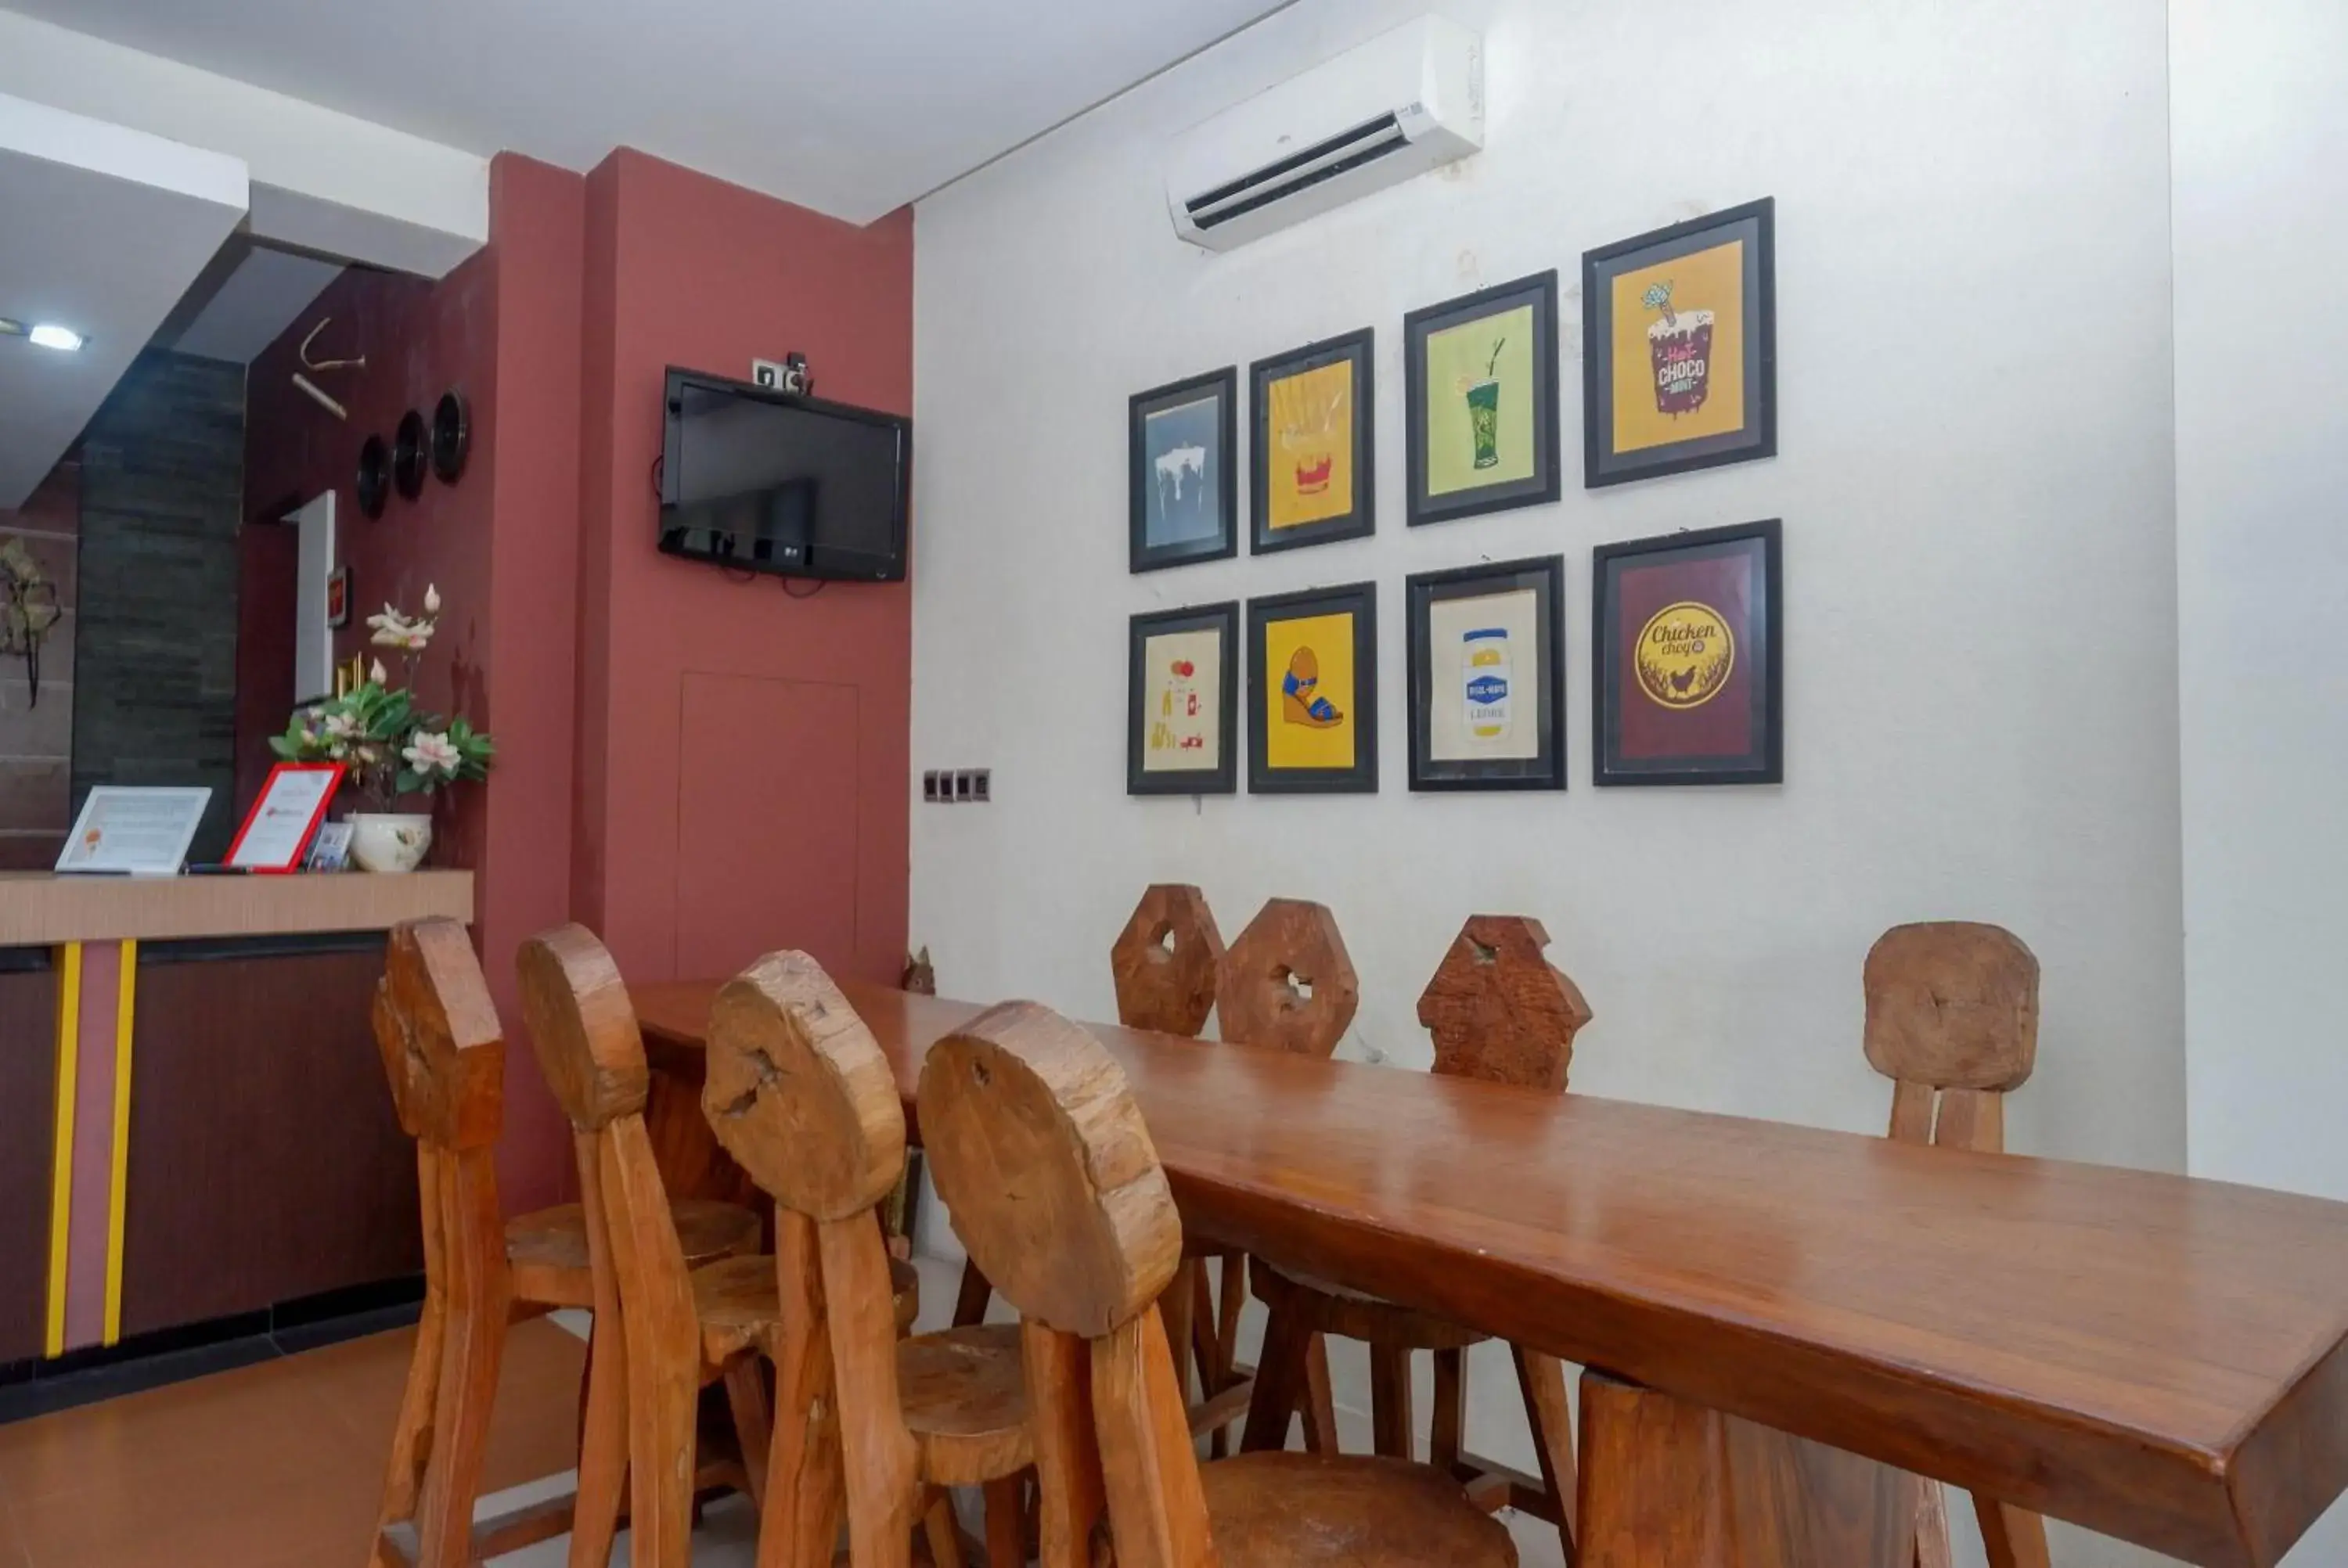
{"type": "Point", "coordinates": [193, 1122]}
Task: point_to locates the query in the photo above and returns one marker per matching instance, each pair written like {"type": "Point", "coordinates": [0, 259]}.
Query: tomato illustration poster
{"type": "Point", "coordinates": [1181, 696]}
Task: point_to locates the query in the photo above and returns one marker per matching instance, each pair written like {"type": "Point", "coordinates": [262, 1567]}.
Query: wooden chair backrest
{"type": "Point", "coordinates": [1288, 981]}
{"type": "Point", "coordinates": [443, 1049]}
{"type": "Point", "coordinates": [1499, 1011]}
{"type": "Point", "coordinates": [1167, 960]}
{"type": "Point", "coordinates": [1040, 1153]}
{"type": "Point", "coordinates": [800, 1094]}
{"type": "Point", "coordinates": [585, 1030]}
{"type": "Point", "coordinates": [1953, 1020]}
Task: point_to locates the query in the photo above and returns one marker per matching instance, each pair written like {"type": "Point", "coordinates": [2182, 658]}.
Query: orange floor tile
{"type": "Point", "coordinates": [278, 1465]}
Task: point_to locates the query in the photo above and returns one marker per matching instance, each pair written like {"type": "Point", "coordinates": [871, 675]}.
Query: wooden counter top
{"type": "Point", "coordinates": [2159, 1358]}
{"type": "Point", "coordinates": [39, 908]}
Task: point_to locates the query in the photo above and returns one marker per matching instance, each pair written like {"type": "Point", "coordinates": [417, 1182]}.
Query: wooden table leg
{"type": "Point", "coordinates": [1668, 1484]}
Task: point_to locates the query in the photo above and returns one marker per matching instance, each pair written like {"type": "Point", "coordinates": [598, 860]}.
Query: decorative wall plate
{"type": "Point", "coordinates": [452, 436]}
{"type": "Point", "coordinates": [408, 456]}
{"type": "Point", "coordinates": [374, 476]}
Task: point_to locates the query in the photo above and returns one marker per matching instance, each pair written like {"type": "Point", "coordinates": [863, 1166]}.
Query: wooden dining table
{"type": "Point", "coordinates": [2159, 1358]}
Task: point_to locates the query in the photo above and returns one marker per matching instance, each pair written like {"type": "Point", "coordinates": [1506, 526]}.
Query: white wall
{"type": "Point", "coordinates": [2261, 140]}
{"type": "Point", "coordinates": [1981, 561]}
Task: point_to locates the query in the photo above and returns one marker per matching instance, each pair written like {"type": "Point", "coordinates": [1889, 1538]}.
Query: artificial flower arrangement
{"type": "Point", "coordinates": [389, 745]}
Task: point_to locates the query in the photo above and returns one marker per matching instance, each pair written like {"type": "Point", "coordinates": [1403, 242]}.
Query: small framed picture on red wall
{"type": "Point", "coordinates": [1687, 659]}
{"type": "Point", "coordinates": [338, 597]}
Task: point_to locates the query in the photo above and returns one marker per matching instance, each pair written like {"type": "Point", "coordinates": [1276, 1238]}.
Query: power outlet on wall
{"type": "Point", "coordinates": [958, 786]}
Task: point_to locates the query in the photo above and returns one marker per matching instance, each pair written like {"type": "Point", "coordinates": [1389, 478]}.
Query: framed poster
{"type": "Point", "coordinates": [338, 597]}
{"type": "Point", "coordinates": [284, 816]}
{"type": "Point", "coordinates": [1687, 659]}
{"type": "Point", "coordinates": [1181, 705]}
{"type": "Point", "coordinates": [1480, 402]}
{"type": "Point", "coordinates": [1488, 676]}
{"type": "Point", "coordinates": [127, 830]}
{"type": "Point", "coordinates": [1312, 691]}
{"type": "Point", "coordinates": [1679, 329]}
{"type": "Point", "coordinates": [1184, 501]}
{"type": "Point", "coordinates": [1312, 454]}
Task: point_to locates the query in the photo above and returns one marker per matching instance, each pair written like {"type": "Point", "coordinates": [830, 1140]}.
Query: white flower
{"type": "Point", "coordinates": [341, 726]}
{"type": "Point", "coordinates": [377, 673]}
{"type": "Point", "coordinates": [431, 600]}
{"type": "Point", "coordinates": [428, 752]}
{"type": "Point", "coordinates": [393, 630]}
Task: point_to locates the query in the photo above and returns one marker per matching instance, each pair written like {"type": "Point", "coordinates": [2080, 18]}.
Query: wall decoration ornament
{"type": "Point", "coordinates": [1680, 334]}
{"type": "Point", "coordinates": [29, 609]}
{"type": "Point", "coordinates": [452, 436]}
{"type": "Point", "coordinates": [1488, 676]}
{"type": "Point", "coordinates": [409, 455]}
{"type": "Point", "coordinates": [1312, 691]}
{"type": "Point", "coordinates": [373, 481]}
{"type": "Point", "coordinates": [1480, 402]}
{"type": "Point", "coordinates": [1313, 455]}
{"type": "Point", "coordinates": [1182, 701]}
{"type": "Point", "coordinates": [1687, 631]}
{"type": "Point", "coordinates": [1183, 502]}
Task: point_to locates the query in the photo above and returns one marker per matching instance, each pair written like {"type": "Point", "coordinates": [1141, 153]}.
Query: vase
{"type": "Point", "coordinates": [390, 841]}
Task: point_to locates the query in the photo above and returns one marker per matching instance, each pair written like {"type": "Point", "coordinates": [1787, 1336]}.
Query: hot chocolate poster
{"type": "Point", "coordinates": [1679, 349]}
{"type": "Point", "coordinates": [1681, 367]}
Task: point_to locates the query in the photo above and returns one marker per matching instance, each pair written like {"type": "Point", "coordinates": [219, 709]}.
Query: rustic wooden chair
{"type": "Point", "coordinates": [445, 1055]}
{"type": "Point", "coordinates": [1165, 964]}
{"type": "Point", "coordinates": [1289, 984]}
{"type": "Point", "coordinates": [682, 1297]}
{"type": "Point", "coordinates": [1053, 1184]}
{"type": "Point", "coordinates": [1500, 1012]}
{"type": "Point", "coordinates": [1952, 1020]}
{"type": "Point", "coordinates": [800, 1095]}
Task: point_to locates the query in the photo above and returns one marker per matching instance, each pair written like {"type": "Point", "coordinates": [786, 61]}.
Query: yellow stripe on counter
{"type": "Point", "coordinates": [62, 1148]}
{"type": "Point", "coordinates": [125, 993]}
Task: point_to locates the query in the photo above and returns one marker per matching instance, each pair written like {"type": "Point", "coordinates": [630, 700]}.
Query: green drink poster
{"type": "Point", "coordinates": [1479, 403]}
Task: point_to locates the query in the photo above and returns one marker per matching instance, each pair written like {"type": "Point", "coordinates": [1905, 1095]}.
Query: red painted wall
{"type": "Point", "coordinates": [501, 545]}
{"type": "Point", "coordinates": [702, 770]}
{"type": "Point", "coordinates": [743, 754]}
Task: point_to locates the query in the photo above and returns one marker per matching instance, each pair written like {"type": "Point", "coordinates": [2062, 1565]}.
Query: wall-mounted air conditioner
{"type": "Point", "coordinates": [1397, 106]}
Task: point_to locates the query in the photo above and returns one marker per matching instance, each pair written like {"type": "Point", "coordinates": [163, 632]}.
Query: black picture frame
{"type": "Point", "coordinates": [1360, 599]}
{"type": "Point", "coordinates": [1545, 483]}
{"type": "Point", "coordinates": [1224, 620]}
{"type": "Point", "coordinates": [1359, 350]}
{"type": "Point", "coordinates": [1545, 576]}
{"type": "Point", "coordinates": [1223, 385]}
{"type": "Point", "coordinates": [1763, 760]}
{"type": "Point", "coordinates": [1756, 221]}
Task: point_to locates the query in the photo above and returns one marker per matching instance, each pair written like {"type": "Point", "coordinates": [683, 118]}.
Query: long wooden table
{"type": "Point", "coordinates": [2162, 1359]}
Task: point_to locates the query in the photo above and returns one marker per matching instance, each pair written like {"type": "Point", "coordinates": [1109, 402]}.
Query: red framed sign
{"type": "Point", "coordinates": [284, 818]}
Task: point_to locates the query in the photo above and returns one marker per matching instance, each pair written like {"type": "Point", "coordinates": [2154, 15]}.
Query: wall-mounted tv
{"type": "Point", "coordinates": [764, 481]}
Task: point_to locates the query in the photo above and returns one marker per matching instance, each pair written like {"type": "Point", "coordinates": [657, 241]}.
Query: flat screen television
{"type": "Point", "coordinates": [766, 481]}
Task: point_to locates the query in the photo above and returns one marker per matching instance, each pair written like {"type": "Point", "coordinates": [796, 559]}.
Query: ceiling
{"type": "Point", "coordinates": [101, 230]}
{"type": "Point", "coordinates": [245, 299]}
{"type": "Point", "coordinates": [850, 107]}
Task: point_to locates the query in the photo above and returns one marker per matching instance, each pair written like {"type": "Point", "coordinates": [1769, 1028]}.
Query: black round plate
{"type": "Point", "coordinates": [375, 476]}
{"type": "Point", "coordinates": [407, 456]}
{"type": "Point", "coordinates": [452, 436]}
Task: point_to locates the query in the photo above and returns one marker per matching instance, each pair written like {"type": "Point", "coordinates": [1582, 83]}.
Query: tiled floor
{"type": "Point", "coordinates": [274, 1466]}
{"type": "Point", "coordinates": [280, 1465]}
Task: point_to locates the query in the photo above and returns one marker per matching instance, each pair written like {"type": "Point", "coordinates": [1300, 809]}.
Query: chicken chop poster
{"type": "Point", "coordinates": [1687, 655]}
